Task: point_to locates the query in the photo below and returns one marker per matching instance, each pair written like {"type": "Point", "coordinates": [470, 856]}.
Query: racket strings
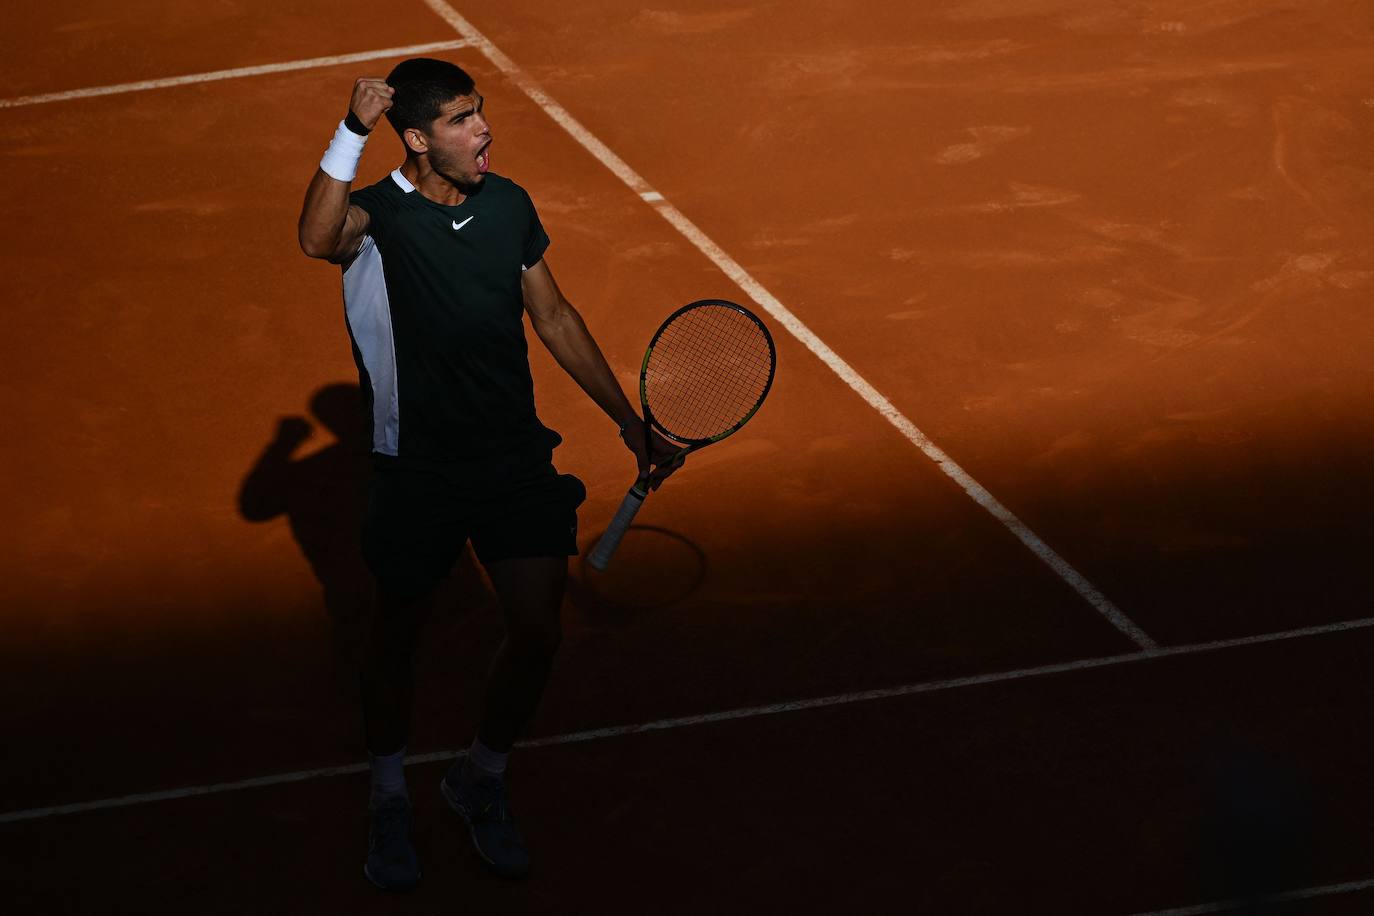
{"type": "Point", "coordinates": [708, 372]}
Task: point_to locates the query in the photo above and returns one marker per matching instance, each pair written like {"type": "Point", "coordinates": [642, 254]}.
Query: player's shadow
{"type": "Point", "coordinates": [653, 569]}
{"type": "Point", "coordinates": [323, 496]}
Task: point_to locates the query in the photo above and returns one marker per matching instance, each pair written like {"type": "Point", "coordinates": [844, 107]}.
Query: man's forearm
{"type": "Point", "coordinates": [571, 344]}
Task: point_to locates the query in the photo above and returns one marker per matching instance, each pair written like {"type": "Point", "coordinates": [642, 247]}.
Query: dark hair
{"type": "Point", "coordinates": [423, 86]}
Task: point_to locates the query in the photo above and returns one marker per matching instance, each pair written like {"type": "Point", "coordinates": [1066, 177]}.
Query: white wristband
{"type": "Point", "coordinates": [340, 161]}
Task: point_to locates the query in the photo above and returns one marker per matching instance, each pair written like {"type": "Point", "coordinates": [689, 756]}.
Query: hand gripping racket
{"type": "Point", "coordinates": [706, 372]}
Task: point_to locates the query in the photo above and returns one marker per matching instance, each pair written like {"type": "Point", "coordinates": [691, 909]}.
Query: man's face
{"type": "Point", "coordinates": [459, 141]}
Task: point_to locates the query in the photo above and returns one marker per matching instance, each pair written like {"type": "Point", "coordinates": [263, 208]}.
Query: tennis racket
{"type": "Point", "coordinates": [705, 374]}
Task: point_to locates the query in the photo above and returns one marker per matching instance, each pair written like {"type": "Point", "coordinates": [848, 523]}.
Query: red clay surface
{"type": "Point", "coordinates": [1115, 262]}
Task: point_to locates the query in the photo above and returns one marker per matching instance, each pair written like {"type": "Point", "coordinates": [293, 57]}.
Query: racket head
{"type": "Point", "coordinates": [706, 371]}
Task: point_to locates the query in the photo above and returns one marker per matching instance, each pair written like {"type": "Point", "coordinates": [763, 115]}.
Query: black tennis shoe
{"type": "Point", "coordinates": [482, 804]}
{"type": "Point", "coordinates": [391, 862]}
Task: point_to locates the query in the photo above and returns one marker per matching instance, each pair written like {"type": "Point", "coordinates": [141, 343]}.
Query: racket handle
{"type": "Point", "coordinates": [601, 554]}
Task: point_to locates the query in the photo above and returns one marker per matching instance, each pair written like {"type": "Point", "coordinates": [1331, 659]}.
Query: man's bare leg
{"type": "Point", "coordinates": [531, 595]}
{"type": "Point", "coordinates": [388, 668]}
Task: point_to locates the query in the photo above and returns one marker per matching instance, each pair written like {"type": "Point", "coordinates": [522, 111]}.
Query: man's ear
{"type": "Point", "coordinates": [416, 141]}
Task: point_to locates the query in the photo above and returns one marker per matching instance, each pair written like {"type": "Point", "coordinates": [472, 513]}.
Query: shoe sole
{"type": "Point", "coordinates": [457, 807]}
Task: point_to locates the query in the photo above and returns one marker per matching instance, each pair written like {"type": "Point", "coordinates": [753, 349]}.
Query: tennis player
{"type": "Point", "coordinates": [440, 258]}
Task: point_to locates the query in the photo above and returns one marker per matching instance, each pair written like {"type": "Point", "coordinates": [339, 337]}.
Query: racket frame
{"type": "Point", "coordinates": [650, 421]}
{"type": "Point", "coordinates": [605, 547]}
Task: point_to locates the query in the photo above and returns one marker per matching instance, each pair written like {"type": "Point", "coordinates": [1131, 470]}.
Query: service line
{"type": "Point", "coordinates": [235, 73]}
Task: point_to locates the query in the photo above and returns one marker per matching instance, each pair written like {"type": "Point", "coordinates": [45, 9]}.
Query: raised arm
{"type": "Point", "coordinates": [329, 227]}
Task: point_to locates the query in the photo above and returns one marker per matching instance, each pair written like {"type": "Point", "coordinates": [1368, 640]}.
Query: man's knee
{"type": "Point", "coordinates": [396, 621]}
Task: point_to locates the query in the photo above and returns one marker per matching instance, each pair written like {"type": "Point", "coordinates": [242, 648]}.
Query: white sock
{"type": "Point", "coordinates": [487, 762]}
{"type": "Point", "coordinates": [388, 777]}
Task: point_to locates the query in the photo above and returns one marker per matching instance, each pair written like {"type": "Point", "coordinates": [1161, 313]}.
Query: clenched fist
{"type": "Point", "coordinates": [371, 98]}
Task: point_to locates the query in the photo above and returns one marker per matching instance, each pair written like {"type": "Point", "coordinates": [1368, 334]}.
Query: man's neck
{"type": "Point", "coordinates": [430, 183]}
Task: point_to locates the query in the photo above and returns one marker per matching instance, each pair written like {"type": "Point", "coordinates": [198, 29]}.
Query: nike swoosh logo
{"type": "Point", "coordinates": [458, 225]}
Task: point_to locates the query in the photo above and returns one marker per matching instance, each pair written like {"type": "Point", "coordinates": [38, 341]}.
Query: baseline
{"type": "Point", "coordinates": [750, 712]}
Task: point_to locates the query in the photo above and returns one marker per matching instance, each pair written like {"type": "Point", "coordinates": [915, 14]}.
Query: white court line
{"type": "Point", "coordinates": [231, 74]}
{"type": "Point", "coordinates": [750, 712]}
{"type": "Point", "coordinates": [780, 313]}
{"type": "Point", "coordinates": [1226, 906]}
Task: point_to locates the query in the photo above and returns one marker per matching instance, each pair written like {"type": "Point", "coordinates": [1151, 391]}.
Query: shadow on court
{"type": "Point", "coordinates": [654, 568]}
{"type": "Point", "coordinates": [323, 498]}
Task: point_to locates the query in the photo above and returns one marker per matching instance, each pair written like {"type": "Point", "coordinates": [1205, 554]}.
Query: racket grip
{"type": "Point", "coordinates": [601, 554]}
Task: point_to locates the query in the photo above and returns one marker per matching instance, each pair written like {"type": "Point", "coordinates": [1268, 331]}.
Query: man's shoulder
{"type": "Point", "coordinates": [502, 187]}
{"type": "Point", "coordinates": [385, 187]}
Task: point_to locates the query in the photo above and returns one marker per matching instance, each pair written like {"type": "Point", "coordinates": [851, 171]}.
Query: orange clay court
{"type": "Point", "coordinates": [1041, 584]}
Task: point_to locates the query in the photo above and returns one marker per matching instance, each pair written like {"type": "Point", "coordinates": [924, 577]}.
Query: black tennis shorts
{"type": "Point", "coordinates": [419, 518]}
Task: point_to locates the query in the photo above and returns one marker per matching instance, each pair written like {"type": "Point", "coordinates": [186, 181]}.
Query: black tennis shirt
{"type": "Point", "coordinates": [435, 315]}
